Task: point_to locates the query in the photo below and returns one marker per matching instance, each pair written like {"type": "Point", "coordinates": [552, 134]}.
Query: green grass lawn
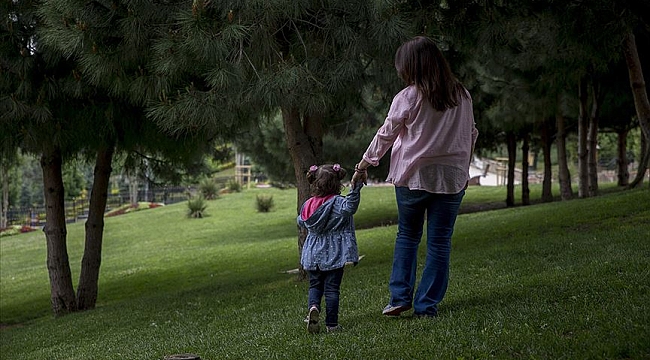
{"type": "Point", "coordinates": [560, 280]}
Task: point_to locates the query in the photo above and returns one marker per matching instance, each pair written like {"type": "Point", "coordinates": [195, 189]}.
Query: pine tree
{"type": "Point", "coordinates": [34, 119]}
{"type": "Point", "coordinates": [308, 61]}
{"type": "Point", "coordinates": [54, 106]}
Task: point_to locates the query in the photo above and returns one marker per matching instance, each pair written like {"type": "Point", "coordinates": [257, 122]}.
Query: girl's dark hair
{"type": "Point", "coordinates": [419, 62]}
{"type": "Point", "coordinates": [326, 179]}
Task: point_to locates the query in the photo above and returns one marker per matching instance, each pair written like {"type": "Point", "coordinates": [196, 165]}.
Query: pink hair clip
{"type": "Point", "coordinates": [336, 167]}
{"type": "Point", "coordinates": [313, 168]}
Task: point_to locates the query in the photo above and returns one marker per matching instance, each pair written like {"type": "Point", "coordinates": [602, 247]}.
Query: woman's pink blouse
{"type": "Point", "coordinates": [431, 149]}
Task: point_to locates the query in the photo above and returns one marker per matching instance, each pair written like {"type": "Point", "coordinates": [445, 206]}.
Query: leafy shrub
{"type": "Point", "coordinates": [124, 209]}
{"type": "Point", "coordinates": [8, 231]}
{"type": "Point", "coordinates": [233, 186]}
{"type": "Point", "coordinates": [226, 166]}
{"type": "Point", "coordinates": [197, 206]}
{"type": "Point", "coordinates": [209, 189]}
{"type": "Point", "coordinates": [26, 228]}
{"type": "Point", "coordinates": [16, 229]}
{"type": "Point", "coordinates": [281, 185]}
{"type": "Point", "coordinates": [264, 203]}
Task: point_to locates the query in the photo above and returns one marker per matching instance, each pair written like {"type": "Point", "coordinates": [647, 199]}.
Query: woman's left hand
{"type": "Point", "coordinates": [359, 177]}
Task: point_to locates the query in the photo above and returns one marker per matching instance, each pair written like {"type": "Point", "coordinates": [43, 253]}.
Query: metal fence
{"type": "Point", "coordinates": [77, 209]}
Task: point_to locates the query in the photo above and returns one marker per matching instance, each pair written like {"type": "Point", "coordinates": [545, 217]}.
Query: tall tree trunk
{"type": "Point", "coordinates": [641, 103]}
{"type": "Point", "coordinates": [621, 160]}
{"type": "Point", "coordinates": [58, 264]}
{"type": "Point", "coordinates": [89, 276]}
{"type": "Point", "coordinates": [564, 176]}
{"type": "Point", "coordinates": [583, 123]}
{"type": "Point", "coordinates": [637, 83]}
{"type": "Point", "coordinates": [525, 190]}
{"type": "Point", "coordinates": [133, 188]}
{"type": "Point", "coordinates": [547, 193]}
{"type": "Point", "coordinates": [592, 144]}
{"type": "Point", "coordinates": [644, 158]}
{"type": "Point", "coordinates": [4, 209]}
{"type": "Point", "coordinates": [305, 142]}
{"type": "Point", "coordinates": [512, 162]}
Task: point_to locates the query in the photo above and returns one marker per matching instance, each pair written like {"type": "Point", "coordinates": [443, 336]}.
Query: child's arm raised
{"type": "Point", "coordinates": [351, 201]}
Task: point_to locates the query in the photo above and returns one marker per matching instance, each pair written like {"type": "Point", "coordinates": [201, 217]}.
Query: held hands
{"type": "Point", "coordinates": [359, 178]}
{"type": "Point", "coordinates": [360, 175]}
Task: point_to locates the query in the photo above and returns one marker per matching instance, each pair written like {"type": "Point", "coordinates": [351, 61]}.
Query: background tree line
{"type": "Point", "coordinates": [159, 82]}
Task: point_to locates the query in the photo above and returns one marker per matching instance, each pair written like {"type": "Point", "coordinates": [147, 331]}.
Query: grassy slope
{"type": "Point", "coordinates": [548, 281]}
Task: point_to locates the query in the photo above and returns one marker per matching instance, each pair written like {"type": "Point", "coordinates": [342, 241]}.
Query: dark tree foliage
{"type": "Point", "coordinates": [36, 117]}
{"type": "Point", "coordinates": [309, 61]}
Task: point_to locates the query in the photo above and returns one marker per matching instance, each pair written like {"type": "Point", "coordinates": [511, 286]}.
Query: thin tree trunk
{"type": "Point", "coordinates": [89, 276]}
{"type": "Point", "coordinates": [305, 148]}
{"type": "Point", "coordinates": [525, 190]}
{"type": "Point", "coordinates": [564, 176]}
{"type": "Point", "coordinates": [133, 188]}
{"type": "Point", "coordinates": [592, 140]}
{"type": "Point", "coordinates": [641, 103]}
{"type": "Point", "coordinates": [4, 175]}
{"type": "Point", "coordinates": [644, 158]}
{"type": "Point", "coordinates": [621, 161]}
{"type": "Point", "coordinates": [58, 264]}
{"type": "Point", "coordinates": [583, 123]}
{"type": "Point", "coordinates": [637, 83]}
{"type": "Point", "coordinates": [512, 162]}
{"type": "Point", "coordinates": [547, 194]}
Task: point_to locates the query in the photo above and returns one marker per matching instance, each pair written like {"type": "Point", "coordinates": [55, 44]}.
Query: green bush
{"type": "Point", "coordinates": [11, 230]}
{"type": "Point", "coordinates": [264, 203]}
{"type": "Point", "coordinates": [15, 230]}
{"type": "Point", "coordinates": [233, 186]}
{"type": "Point", "coordinates": [209, 189]}
{"type": "Point", "coordinates": [197, 206]}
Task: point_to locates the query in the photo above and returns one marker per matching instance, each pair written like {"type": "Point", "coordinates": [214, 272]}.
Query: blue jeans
{"type": "Point", "coordinates": [441, 211]}
{"type": "Point", "coordinates": [326, 283]}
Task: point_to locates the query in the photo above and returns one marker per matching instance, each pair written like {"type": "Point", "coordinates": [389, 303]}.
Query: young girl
{"type": "Point", "coordinates": [330, 242]}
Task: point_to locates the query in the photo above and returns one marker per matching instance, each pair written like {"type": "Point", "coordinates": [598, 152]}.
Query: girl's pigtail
{"type": "Point", "coordinates": [311, 173]}
{"type": "Point", "coordinates": [340, 172]}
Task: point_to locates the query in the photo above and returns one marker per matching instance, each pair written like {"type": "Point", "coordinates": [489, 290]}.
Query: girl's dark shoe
{"type": "Point", "coordinates": [313, 327]}
{"type": "Point", "coordinates": [334, 329]}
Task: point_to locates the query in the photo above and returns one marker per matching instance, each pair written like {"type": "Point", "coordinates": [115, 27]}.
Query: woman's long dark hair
{"type": "Point", "coordinates": [419, 62]}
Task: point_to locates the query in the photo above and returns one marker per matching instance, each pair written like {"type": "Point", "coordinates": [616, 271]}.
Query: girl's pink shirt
{"type": "Point", "coordinates": [312, 204]}
{"type": "Point", "coordinates": [431, 149]}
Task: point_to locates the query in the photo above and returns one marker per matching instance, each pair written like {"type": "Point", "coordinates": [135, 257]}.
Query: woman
{"type": "Point", "coordinates": [430, 127]}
